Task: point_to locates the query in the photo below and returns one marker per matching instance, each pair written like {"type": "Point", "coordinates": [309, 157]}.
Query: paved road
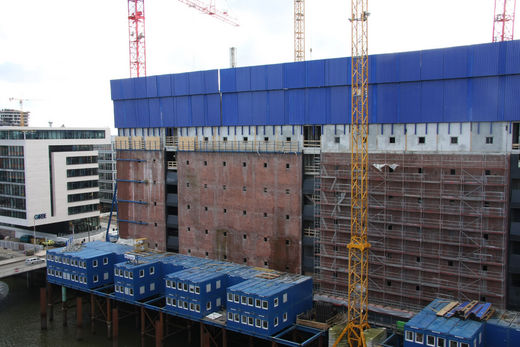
{"type": "Point", "coordinates": [17, 265]}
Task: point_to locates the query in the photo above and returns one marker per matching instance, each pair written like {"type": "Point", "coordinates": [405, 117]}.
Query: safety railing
{"type": "Point", "coordinates": [239, 146]}
{"type": "Point", "coordinates": [311, 143]}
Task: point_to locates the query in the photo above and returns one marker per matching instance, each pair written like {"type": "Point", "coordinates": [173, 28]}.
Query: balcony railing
{"type": "Point", "coordinates": [239, 146]}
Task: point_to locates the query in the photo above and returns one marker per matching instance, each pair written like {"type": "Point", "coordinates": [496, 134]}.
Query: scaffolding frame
{"type": "Point", "coordinates": [437, 227]}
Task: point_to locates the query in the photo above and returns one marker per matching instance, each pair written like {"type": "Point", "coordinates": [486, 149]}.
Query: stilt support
{"type": "Point", "coordinates": [43, 308]}
{"type": "Point", "coordinates": [64, 304]}
{"type": "Point", "coordinates": [79, 317]}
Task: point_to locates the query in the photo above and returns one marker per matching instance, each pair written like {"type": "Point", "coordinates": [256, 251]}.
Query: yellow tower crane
{"type": "Point", "coordinates": [22, 118]}
{"type": "Point", "coordinates": [299, 30]}
{"type": "Point", "coordinates": [357, 318]}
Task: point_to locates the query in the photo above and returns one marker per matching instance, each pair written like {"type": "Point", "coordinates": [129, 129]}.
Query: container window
{"type": "Point", "coordinates": [126, 274]}
{"type": "Point", "coordinates": [105, 276]}
{"type": "Point", "coordinates": [408, 336]}
{"type": "Point", "coordinates": [168, 301]}
{"type": "Point", "coordinates": [257, 303]}
{"type": "Point", "coordinates": [217, 302]}
{"type": "Point", "coordinates": [464, 344]}
{"type": "Point", "coordinates": [174, 302]}
{"type": "Point", "coordinates": [250, 301]}
{"type": "Point", "coordinates": [285, 297]}
{"type": "Point", "coordinates": [244, 319]}
{"type": "Point", "coordinates": [419, 338]}
{"type": "Point", "coordinates": [236, 298]}
{"type": "Point", "coordinates": [237, 318]}
{"type": "Point", "coordinates": [192, 306]}
{"type": "Point", "coordinates": [197, 308]}
{"type": "Point", "coordinates": [264, 324]}
{"type": "Point", "coordinates": [275, 302]}
{"type": "Point", "coordinates": [94, 263]}
{"type": "Point", "coordinates": [185, 287]}
{"type": "Point", "coordinates": [250, 321]}
{"type": "Point", "coordinates": [152, 270]}
{"type": "Point", "coordinates": [276, 321]}
{"type": "Point", "coordinates": [208, 287]}
{"type": "Point", "coordinates": [141, 290]}
{"type": "Point", "coordinates": [152, 286]}
{"type": "Point", "coordinates": [168, 284]}
{"type": "Point", "coordinates": [141, 273]}
{"type": "Point", "coordinates": [116, 272]}
{"type": "Point", "coordinates": [130, 274]}
{"type": "Point", "coordinates": [208, 305]}
{"type": "Point", "coordinates": [441, 342]}
{"type": "Point", "coordinates": [217, 284]}
{"type": "Point", "coordinates": [96, 278]}
{"type": "Point", "coordinates": [430, 340]}
{"type": "Point", "coordinates": [105, 261]}
{"type": "Point", "coordinates": [192, 288]}
{"type": "Point", "coordinates": [185, 305]}
{"type": "Point", "coordinates": [285, 317]}
{"type": "Point", "coordinates": [131, 291]}
{"type": "Point", "coordinates": [197, 290]}
{"type": "Point", "coordinates": [230, 297]}
{"type": "Point", "coordinates": [173, 284]}
{"type": "Point", "coordinates": [264, 304]}
{"type": "Point", "coordinates": [244, 300]}
{"type": "Point", "coordinates": [258, 323]}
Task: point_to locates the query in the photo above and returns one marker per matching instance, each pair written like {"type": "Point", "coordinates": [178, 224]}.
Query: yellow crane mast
{"type": "Point", "coordinates": [357, 318]}
{"type": "Point", "coordinates": [299, 30]}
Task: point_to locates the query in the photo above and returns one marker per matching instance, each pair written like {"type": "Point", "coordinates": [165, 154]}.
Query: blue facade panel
{"type": "Point", "coordinates": [315, 73]}
{"type": "Point", "coordinates": [180, 84]}
{"type": "Point", "coordinates": [295, 76]}
{"type": "Point", "coordinates": [409, 66]}
{"type": "Point", "coordinates": [455, 62]}
{"type": "Point", "coordinates": [274, 76]}
{"type": "Point", "coordinates": [151, 87]}
{"type": "Point", "coordinates": [455, 100]}
{"type": "Point", "coordinates": [164, 85]}
{"type": "Point", "coordinates": [432, 64]}
{"type": "Point", "coordinates": [258, 76]}
{"type": "Point", "coordinates": [243, 79]}
{"type": "Point", "coordinates": [166, 112]}
{"type": "Point", "coordinates": [472, 83]}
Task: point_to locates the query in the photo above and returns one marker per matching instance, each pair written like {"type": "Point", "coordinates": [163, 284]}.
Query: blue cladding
{"type": "Point", "coordinates": [459, 84]}
{"type": "Point", "coordinates": [164, 85]}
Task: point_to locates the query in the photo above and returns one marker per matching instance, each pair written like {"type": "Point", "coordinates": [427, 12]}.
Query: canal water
{"type": "Point", "coordinates": [20, 323]}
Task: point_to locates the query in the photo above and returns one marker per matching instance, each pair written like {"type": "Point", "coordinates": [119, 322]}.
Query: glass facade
{"type": "Point", "coordinates": [83, 209]}
{"type": "Point", "coordinates": [12, 189]}
{"type": "Point", "coordinates": [13, 214]}
{"type": "Point", "coordinates": [82, 160]}
{"type": "Point", "coordinates": [51, 134]}
{"type": "Point", "coordinates": [82, 184]}
{"type": "Point", "coordinates": [82, 196]}
{"type": "Point", "coordinates": [14, 203]}
{"type": "Point", "coordinates": [82, 172]}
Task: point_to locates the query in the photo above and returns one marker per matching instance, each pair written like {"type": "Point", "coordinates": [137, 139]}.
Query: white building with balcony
{"type": "Point", "coordinates": [49, 178]}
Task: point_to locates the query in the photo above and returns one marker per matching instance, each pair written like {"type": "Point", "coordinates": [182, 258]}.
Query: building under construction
{"type": "Point", "coordinates": [251, 165]}
{"type": "Point", "coordinates": [12, 118]}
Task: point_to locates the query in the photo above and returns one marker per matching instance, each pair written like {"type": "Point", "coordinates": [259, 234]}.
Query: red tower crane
{"type": "Point", "coordinates": [136, 35]}
{"type": "Point", "coordinates": [209, 8]}
{"type": "Point", "coordinates": [504, 20]}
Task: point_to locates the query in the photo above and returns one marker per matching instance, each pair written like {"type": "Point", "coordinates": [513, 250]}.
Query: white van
{"type": "Point", "coordinates": [33, 260]}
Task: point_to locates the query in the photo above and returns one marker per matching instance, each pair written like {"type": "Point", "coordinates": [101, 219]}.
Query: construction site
{"type": "Point", "coordinates": [383, 189]}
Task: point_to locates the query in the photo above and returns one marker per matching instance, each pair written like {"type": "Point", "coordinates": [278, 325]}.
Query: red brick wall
{"type": "Point", "coordinates": [270, 229]}
{"type": "Point", "coordinates": [152, 192]}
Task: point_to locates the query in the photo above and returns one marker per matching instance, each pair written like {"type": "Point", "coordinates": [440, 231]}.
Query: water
{"type": "Point", "coordinates": [20, 323]}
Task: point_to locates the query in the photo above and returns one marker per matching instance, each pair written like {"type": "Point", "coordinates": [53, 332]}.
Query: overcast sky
{"type": "Point", "coordinates": [61, 54]}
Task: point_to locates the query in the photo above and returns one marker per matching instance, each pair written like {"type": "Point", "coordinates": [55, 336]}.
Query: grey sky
{"type": "Point", "coordinates": [62, 54]}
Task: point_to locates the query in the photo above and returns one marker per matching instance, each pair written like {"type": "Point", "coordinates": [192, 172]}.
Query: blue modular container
{"type": "Point", "coordinates": [503, 329]}
{"type": "Point", "coordinates": [204, 290]}
{"type": "Point", "coordinates": [426, 328]}
{"type": "Point", "coordinates": [139, 279]}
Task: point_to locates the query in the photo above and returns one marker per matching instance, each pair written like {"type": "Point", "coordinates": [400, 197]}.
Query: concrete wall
{"type": "Point", "coordinates": [241, 211]}
{"type": "Point", "coordinates": [152, 192]}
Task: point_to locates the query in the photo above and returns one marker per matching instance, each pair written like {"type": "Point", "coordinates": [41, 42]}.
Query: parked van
{"type": "Point", "coordinates": [33, 260]}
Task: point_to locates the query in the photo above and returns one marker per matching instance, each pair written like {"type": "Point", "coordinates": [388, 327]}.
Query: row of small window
{"type": "Point", "coordinates": [130, 291]}
{"type": "Point", "coordinates": [422, 140]}
{"type": "Point", "coordinates": [435, 341]}
{"type": "Point", "coordinates": [244, 164]}
{"type": "Point", "coordinates": [188, 306]}
{"type": "Point", "coordinates": [248, 301]}
{"type": "Point", "coordinates": [259, 323]}
{"type": "Point", "coordinates": [74, 262]}
{"type": "Point", "coordinates": [130, 274]}
{"type": "Point", "coordinates": [74, 277]}
{"type": "Point", "coordinates": [245, 139]}
{"type": "Point", "coordinates": [190, 287]}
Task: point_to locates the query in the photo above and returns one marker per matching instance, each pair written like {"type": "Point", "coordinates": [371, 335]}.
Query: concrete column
{"type": "Point", "coordinates": [64, 304]}
{"type": "Point", "coordinates": [43, 309]}
{"type": "Point", "coordinates": [115, 325]}
{"type": "Point", "coordinates": [79, 318]}
{"type": "Point", "coordinates": [50, 307]}
{"type": "Point", "coordinates": [158, 333]}
{"type": "Point", "coordinates": [109, 319]}
{"type": "Point", "coordinates": [92, 313]}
